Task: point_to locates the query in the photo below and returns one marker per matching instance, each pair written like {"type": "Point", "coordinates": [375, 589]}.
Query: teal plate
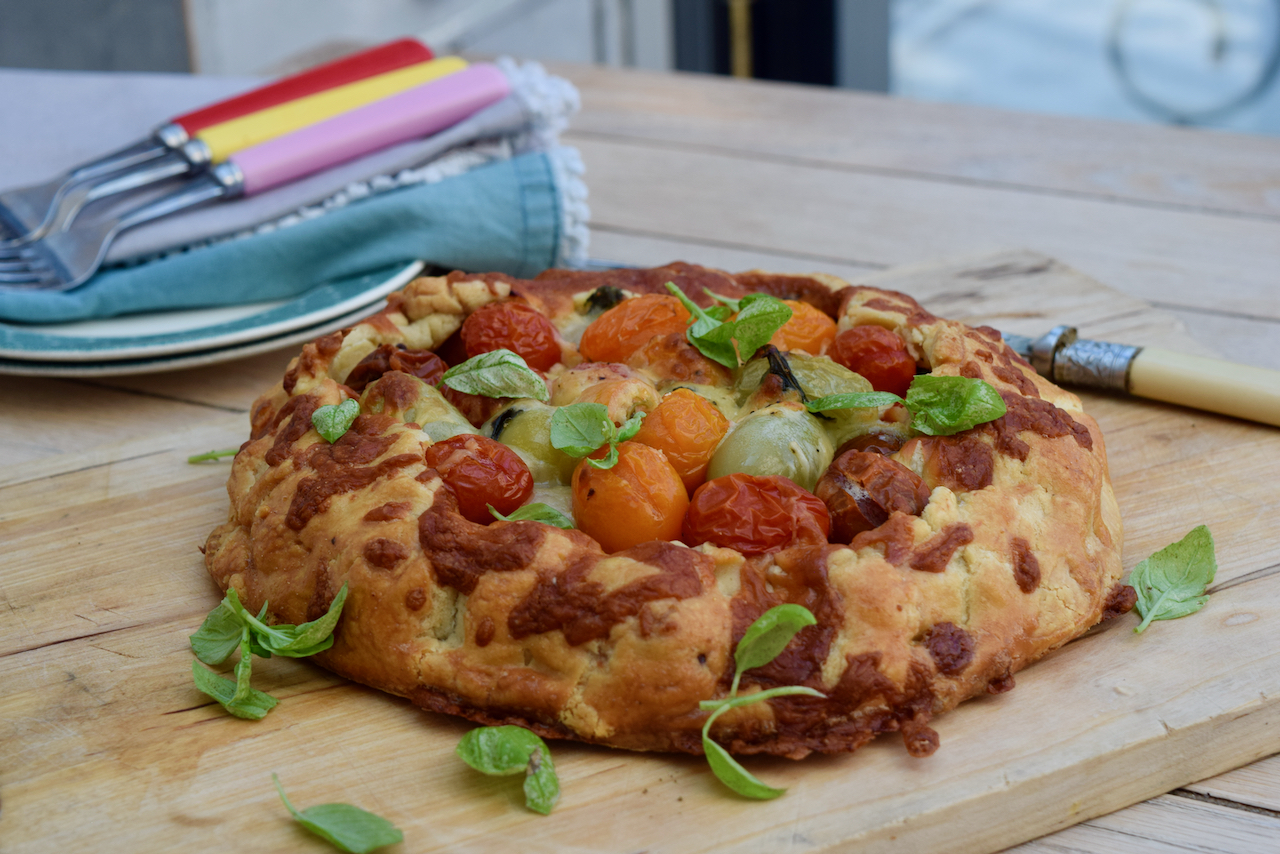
{"type": "Point", "coordinates": [85, 348]}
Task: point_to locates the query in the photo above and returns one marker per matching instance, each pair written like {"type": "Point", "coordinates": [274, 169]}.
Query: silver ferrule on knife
{"type": "Point", "coordinates": [1199, 382]}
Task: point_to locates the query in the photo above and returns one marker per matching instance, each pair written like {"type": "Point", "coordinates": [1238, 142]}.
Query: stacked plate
{"type": "Point", "coordinates": [146, 343]}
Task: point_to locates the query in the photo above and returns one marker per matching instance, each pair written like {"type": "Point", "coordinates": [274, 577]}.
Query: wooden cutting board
{"type": "Point", "coordinates": [106, 745]}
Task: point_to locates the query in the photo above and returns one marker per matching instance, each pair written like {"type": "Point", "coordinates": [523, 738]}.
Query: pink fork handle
{"type": "Point", "coordinates": [418, 112]}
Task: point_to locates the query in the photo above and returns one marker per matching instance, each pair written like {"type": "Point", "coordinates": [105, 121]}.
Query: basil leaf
{"type": "Point", "coordinates": [710, 336]}
{"type": "Point", "coordinates": [943, 406]}
{"type": "Point", "coordinates": [253, 706]}
{"type": "Point", "coordinates": [733, 775]}
{"type": "Point", "coordinates": [630, 427]}
{"type": "Point", "coordinates": [219, 634]}
{"type": "Point", "coordinates": [1172, 582]}
{"type": "Point", "coordinates": [535, 512]}
{"type": "Point", "coordinates": [758, 319]}
{"type": "Point", "coordinates": [504, 750]}
{"type": "Point", "coordinates": [293, 641]}
{"type": "Point", "coordinates": [608, 461]}
{"type": "Point", "coordinates": [855, 400]}
{"type": "Point", "coordinates": [213, 455]}
{"type": "Point", "coordinates": [498, 373]}
{"type": "Point", "coordinates": [759, 697]}
{"type": "Point", "coordinates": [581, 428]}
{"type": "Point", "coordinates": [768, 636]}
{"type": "Point", "coordinates": [346, 827]}
{"type": "Point", "coordinates": [720, 312]}
{"type": "Point", "coordinates": [732, 304]}
{"type": "Point", "coordinates": [333, 421]}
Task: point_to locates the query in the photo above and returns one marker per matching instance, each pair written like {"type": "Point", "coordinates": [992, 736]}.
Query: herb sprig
{"type": "Point", "coordinates": [1172, 582]}
{"type": "Point", "coordinates": [535, 512]}
{"type": "Point", "coordinates": [346, 827]}
{"type": "Point", "coordinates": [230, 627]}
{"type": "Point", "coordinates": [730, 342]}
{"type": "Point", "coordinates": [940, 406]}
{"type": "Point", "coordinates": [334, 420]}
{"type": "Point", "coordinates": [580, 429]}
{"type": "Point", "coordinates": [762, 643]}
{"type": "Point", "coordinates": [504, 750]}
{"type": "Point", "coordinates": [498, 373]}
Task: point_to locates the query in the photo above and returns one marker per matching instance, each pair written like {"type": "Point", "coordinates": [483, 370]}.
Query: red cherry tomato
{"type": "Point", "coordinates": [876, 353]}
{"type": "Point", "coordinates": [480, 471]}
{"type": "Point", "coordinates": [515, 326]}
{"type": "Point", "coordinates": [755, 515]}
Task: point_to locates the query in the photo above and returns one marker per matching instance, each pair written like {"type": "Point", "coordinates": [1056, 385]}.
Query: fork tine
{"type": "Point", "coordinates": [31, 277]}
{"type": "Point", "coordinates": [20, 266]}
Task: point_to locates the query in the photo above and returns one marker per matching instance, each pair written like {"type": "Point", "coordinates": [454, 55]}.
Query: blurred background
{"type": "Point", "coordinates": [1210, 63]}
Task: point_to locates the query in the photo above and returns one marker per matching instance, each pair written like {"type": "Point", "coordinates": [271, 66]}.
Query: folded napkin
{"type": "Point", "coordinates": [494, 192]}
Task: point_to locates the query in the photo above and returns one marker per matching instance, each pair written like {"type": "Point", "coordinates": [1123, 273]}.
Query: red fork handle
{"type": "Point", "coordinates": [349, 69]}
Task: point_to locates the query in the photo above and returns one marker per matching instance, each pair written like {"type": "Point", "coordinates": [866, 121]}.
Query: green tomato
{"type": "Point", "coordinates": [525, 427]}
{"type": "Point", "coordinates": [819, 377]}
{"type": "Point", "coordinates": [780, 439]}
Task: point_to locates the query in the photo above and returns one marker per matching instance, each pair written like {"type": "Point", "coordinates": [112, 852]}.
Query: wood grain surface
{"type": "Point", "coordinates": [106, 745]}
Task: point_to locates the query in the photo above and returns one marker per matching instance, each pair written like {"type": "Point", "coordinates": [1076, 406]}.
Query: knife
{"type": "Point", "coordinates": [1214, 385]}
{"type": "Point", "coordinates": [29, 211]}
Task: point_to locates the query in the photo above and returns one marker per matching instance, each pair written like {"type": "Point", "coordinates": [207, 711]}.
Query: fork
{"type": "Point", "coordinates": [67, 259]}
{"type": "Point", "coordinates": [28, 213]}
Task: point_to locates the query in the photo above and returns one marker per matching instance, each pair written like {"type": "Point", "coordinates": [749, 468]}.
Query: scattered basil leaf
{"type": "Point", "coordinates": [759, 317]}
{"type": "Point", "coordinates": [732, 774]}
{"type": "Point", "coordinates": [535, 512]}
{"type": "Point", "coordinates": [732, 304]}
{"type": "Point", "coordinates": [760, 644]}
{"type": "Point", "coordinates": [1172, 582]}
{"type": "Point", "coordinates": [728, 342]}
{"type": "Point", "coordinates": [253, 706]}
{"type": "Point", "coordinates": [580, 428]}
{"type": "Point", "coordinates": [720, 312]}
{"type": "Point", "coordinates": [293, 641]}
{"type": "Point", "coordinates": [333, 421]}
{"type": "Point", "coordinates": [219, 634]}
{"type": "Point", "coordinates": [503, 750]}
{"type": "Point", "coordinates": [855, 400]}
{"type": "Point", "coordinates": [498, 373]}
{"type": "Point", "coordinates": [942, 406]}
{"type": "Point", "coordinates": [213, 455]}
{"type": "Point", "coordinates": [347, 828]}
{"type": "Point", "coordinates": [606, 462]}
{"type": "Point", "coordinates": [630, 427]}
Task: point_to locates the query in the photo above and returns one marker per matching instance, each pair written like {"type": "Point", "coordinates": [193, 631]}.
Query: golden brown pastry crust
{"type": "Point", "coordinates": [1015, 554]}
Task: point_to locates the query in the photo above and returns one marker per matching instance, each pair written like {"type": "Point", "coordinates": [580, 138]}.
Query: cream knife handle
{"type": "Point", "coordinates": [1202, 383]}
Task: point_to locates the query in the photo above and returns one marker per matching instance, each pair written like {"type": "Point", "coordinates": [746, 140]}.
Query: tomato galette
{"type": "Point", "coordinates": [564, 500]}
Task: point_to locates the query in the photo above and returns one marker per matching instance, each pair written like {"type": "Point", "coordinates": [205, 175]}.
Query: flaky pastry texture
{"type": "Point", "coordinates": [1016, 553]}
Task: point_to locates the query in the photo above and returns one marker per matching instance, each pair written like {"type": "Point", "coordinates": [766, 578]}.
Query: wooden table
{"type": "Point", "coordinates": [1184, 224]}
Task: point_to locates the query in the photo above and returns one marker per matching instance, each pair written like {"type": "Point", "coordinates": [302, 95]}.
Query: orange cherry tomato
{"type": "Point", "coordinates": [480, 471]}
{"type": "Point", "coordinates": [809, 329]}
{"type": "Point", "coordinates": [876, 353]}
{"type": "Point", "coordinates": [687, 428]}
{"type": "Point", "coordinates": [638, 500]}
{"type": "Point", "coordinates": [755, 515]}
{"type": "Point", "coordinates": [512, 325]}
{"type": "Point", "coordinates": [629, 325]}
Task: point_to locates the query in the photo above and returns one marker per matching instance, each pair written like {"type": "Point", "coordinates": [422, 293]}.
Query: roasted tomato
{"type": "Point", "coordinates": [480, 471]}
{"type": "Point", "coordinates": [862, 489]}
{"type": "Point", "coordinates": [686, 427]}
{"type": "Point", "coordinates": [638, 500]}
{"type": "Point", "coordinates": [423, 364]}
{"type": "Point", "coordinates": [623, 329]}
{"type": "Point", "coordinates": [809, 329]}
{"type": "Point", "coordinates": [876, 353]}
{"type": "Point", "coordinates": [755, 515]}
{"type": "Point", "coordinates": [512, 325]}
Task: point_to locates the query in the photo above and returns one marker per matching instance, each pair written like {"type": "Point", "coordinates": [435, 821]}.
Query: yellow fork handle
{"type": "Point", "coordinates": [238, 134]}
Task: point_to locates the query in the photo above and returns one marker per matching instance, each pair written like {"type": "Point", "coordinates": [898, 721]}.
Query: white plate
{"type": "Point", "coordinates": [157, 364]}
{"type": "Point", "coordinates": [86, 347]}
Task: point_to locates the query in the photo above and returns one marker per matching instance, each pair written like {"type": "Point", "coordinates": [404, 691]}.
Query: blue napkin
{"type": "Point", "coordinates": [506, 216]}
